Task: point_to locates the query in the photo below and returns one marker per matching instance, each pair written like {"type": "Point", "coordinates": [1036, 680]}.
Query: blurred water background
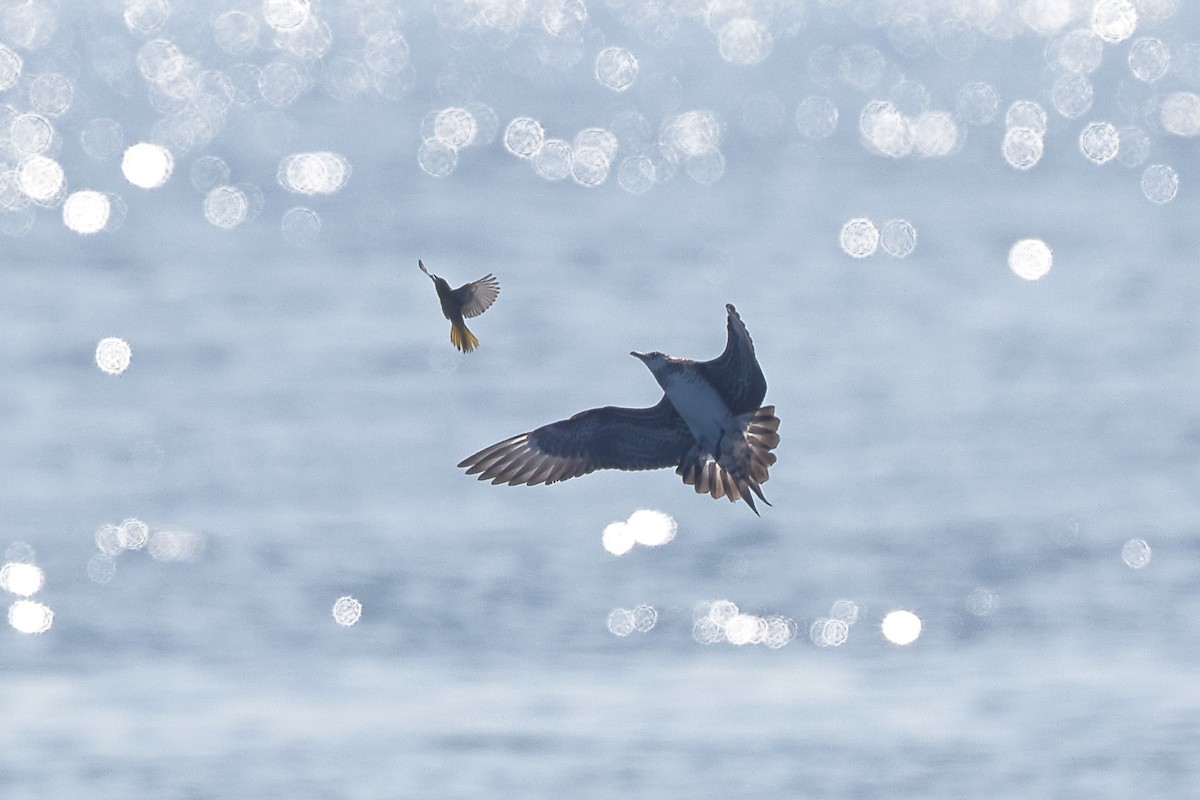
{"type": "Point", "coordinates": [1011, 458]}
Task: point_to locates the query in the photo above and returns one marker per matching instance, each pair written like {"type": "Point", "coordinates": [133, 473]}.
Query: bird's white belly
{"type": "Point", "coordinates": [701, 407]}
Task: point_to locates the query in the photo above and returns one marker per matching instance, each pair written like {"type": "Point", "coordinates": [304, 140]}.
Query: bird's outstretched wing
{"type": "Point", "coordinates": [477, 296]}
{"type": "Point", "coordinates": [599, 438]}
{"type": "Point", "coordinates": [735, 374]}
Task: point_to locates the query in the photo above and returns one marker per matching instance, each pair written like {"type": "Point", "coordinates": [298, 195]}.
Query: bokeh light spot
{"type": "Point", "coordinates": [321, 172]}
{"type": "Point", "coordinates": [978, 103]}
{"type": "Point", "coordinates": [859, 237]}
{"type": "Point", "coordinates": [226, 207]}
{"type": "Point", "coordinates": [1149, 59]}
{"type": "Point", "coordinates": [616, 68]}
{"type": "Point", "coordinates": [10, 67]}
{"type": "Point", "coordinates": [1099, 142]}
{"type": "Point", "coordinates": [113, 355]}
{"type": "Point", "coordinates": [41, 178]}
{"type": "Point", "coordinates": [620, 622]}
{"type": "Point", "coordinates": [523, 137]}
{"type": "Point", "coordinates": [745, 41]}
{"type": "Point", "coordinates": [147, 165]}
{"type": "Point", "coordinates": [1022, 147]}
{"type": "Point", "coordinates": [86, 211]}
{"type": "Point", "coordinates": [1114, 20]}
{"type": "Point", "coordinates": [21, 579]}
{"type": "Point", "coordinates": [301, 226]}
{"type": "Point", "coordinates": [437, 158]}
{"type": "Point", "coordinates": [134, 534]}
{"type": "Point", "coordinates": [901, 627]}
{"type": "Point", "coordinates": [617, 538]}
{"type": "Point", "coordinates": [1180, 113]}
{"type": "Point", "coordinates": [1030, 259]}
{"type": "Point", "coordinates": [1136, 553]}
{"type": "Point", "coordinates": [286, 15]}
{"type": "Point", "coordinates": [651, 528]}
{"type": "Point", "coordinates": [816, 117]}
{"type": "Point", "coordinates": [982, 602]}
{"type": "Point", "coordinates": [175, 545]}
{"type": "Point", "coordinates": [347, 611]}
{"type": "Point", "coordinates": [898, 237]}
{"type": "Point", "coordinates": [28, 616]}
{"type": "Point", "coordinates": [1160, 183]}
{"type": "Point", "coordinates": [553, 160]}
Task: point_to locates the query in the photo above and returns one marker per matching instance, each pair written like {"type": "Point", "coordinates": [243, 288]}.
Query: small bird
{"type": "Point", "coordinates": [710, 425]}
{"type": "Point", "coordinates": [469, 300]}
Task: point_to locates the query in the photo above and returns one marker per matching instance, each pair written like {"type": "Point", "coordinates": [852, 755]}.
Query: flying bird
{"type": "Point", "coordinates": [710, 425]}
{"type": "Point", "coordinates": [469, 300]}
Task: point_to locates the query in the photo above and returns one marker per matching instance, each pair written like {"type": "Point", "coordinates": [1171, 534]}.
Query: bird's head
{"type": "Point", "coordinates": [655, 360]}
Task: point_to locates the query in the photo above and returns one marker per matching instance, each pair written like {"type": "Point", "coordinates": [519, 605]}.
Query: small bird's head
{"type": "Point", "coordinates": [655, 360]}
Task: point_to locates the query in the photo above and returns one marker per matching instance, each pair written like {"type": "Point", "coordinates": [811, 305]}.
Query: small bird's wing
{"type": "Point", "coordinates": [599, 438]}
{"type": "Point", "coordinates": [477, 296]}
{"type": "Point", "coordinates": [735, 373]}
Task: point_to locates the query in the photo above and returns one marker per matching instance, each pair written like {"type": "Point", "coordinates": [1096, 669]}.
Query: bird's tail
{"type": "Point", "coordinates": [462, 338]}
{"type": "Point", "coordinates": [740, 470]}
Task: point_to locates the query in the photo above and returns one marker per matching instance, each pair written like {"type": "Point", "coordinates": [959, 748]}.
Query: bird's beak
{"type": "Point", "coordinates": [636, 354]}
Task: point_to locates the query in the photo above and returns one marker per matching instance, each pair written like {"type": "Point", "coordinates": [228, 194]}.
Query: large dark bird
{"type": "Point", "coordinates": [709, 425]}
{"type": "Point", "coordinates": [468, 300]}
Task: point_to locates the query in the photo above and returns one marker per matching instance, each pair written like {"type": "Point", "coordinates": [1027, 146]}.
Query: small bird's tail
{"type": "Point", "coordinates": [740, 471]}
{"type": "Point", "coordinates": [462, 338]}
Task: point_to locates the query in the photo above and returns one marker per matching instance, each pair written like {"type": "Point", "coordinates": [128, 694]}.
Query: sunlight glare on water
{"type": "Point", "coordinates": [617, 538]}
{"type": "Point", "coordinates": [113, 355]}
{"type": "Point", "coordinates": [620, 622]}
{"type": "Point", "coordinates": [898, 237]}
{"type": "Point", "coordinates": [285, 15]}
{"type": "Point", "coordinates": [1030, 259]}
{"type": "Point", "coordinates": [1114, 20]}
{"type": "Point", "coordinates": [982, 602]}
{"type": "Point", "coordinates": [1160, 183]}
{"type": "Point", "coordinates": [722, 620]}
{"type": "Point", "coordinates": [226, 207]}
{"type": "Point", "coordinates": [816, 117]}
{"type": "Point", "coordinates": [347, 611]}
{"type": "Point", "coordinates": [1180, 113]}
{"type": "Point", "coordinates": [901, 627]}
{"type": "Point", "coordinates": [978, 103]}
{"type": "Point", "coordinates": [859, 237]}
{"type": "Point", "coordinates": [1099, 142]}
{"type": "Point", "coordinates": [1136, 553]}
{"type": "Point", "coordinates": [134, 534]}
{"type": "Point", "coordinates": [10, 67]}
{"type": "Point", "coordinates": [86, 211]}
{"type": "Point", "coordinates": [1149, 58]}
{"type": "Point", "coordinates": [825, 632]}
{"type": "Point", "coordinates": [147, 165]}
{"type": "Point", "coordinates": [624, 621]}
{"type": "Point", "coordinates": [29, 616]}
{"type": "Point", "coordinates": [553, 159]}
{"type": "Point", "coordinates": [616, 68]}
{"type": "Point", "coordinates": [175, 545]}
{"type": "Point", "coordinates": [1022, 147]}
{"type": "Point", "coordinates": [650, 527]}
{"type": "Point", "coordinates": [41, 178]}
{"type": "Point", "coordinates": [320, 172]}
{"type": "Point", "coordinates": [301, 226]}
{"type": "Point", "coordinates": [21, 579]}
{"type": "Point", "coordinates": [523, 137]}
